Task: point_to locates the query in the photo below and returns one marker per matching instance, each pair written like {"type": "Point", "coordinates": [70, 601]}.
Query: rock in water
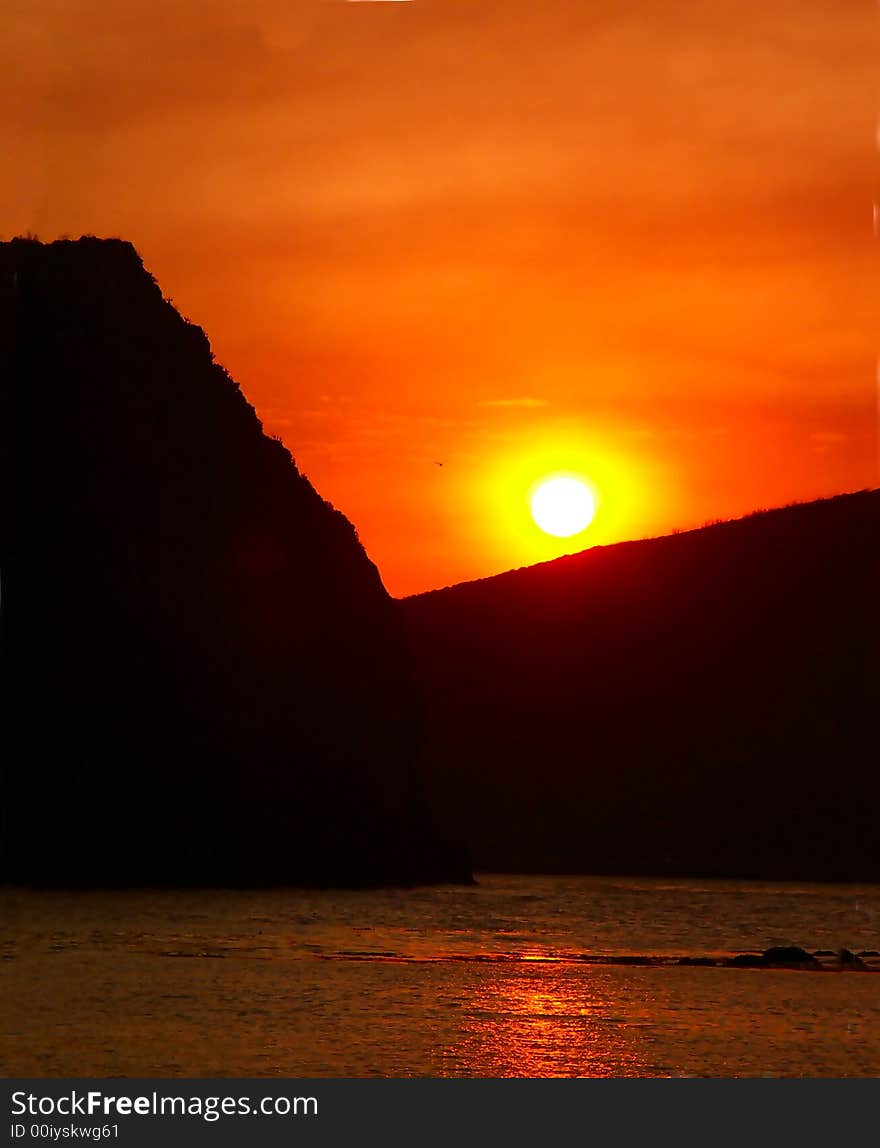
{"type": "Point", "coordinates": [776, 957]}
{"type": "Point", "coordinates": [204, 679]}
{"type": "Point", "coordinates": [848, 960]}
{"type": "Point", "coordinates": [785, 956]}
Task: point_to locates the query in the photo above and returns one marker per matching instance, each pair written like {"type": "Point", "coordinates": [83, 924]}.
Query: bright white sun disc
{"type": "Point", "coordinates": [563, 506]}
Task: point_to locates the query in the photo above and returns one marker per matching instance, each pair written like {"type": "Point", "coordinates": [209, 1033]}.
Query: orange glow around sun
{"type": "Point", "coordinates": [622, 492]}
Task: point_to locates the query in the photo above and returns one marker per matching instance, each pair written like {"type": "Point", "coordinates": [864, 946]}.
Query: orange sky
{"type": "Point", "coordinates": [633, 239]}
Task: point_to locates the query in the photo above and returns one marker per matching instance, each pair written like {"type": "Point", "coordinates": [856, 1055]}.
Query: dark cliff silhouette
{"type": "Point", "coordinates": [204, 678]}
{"type": "Point", "coordinates": [702, 704]}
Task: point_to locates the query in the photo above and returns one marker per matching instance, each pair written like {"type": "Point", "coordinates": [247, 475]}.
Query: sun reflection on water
{"type": "Point", "coordinates": [538, 1020]}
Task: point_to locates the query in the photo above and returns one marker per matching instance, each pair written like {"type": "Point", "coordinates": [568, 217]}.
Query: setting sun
{"type": "Point", "coordinates": [562, 506]}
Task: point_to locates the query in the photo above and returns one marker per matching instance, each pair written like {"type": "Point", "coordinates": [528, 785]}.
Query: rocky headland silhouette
{"type": "Point", "coordinates": [205, 682]}
{"type": "Point", "coordinates": [204, 679]}
{"type": "Point", "coordinates": [702, 704]}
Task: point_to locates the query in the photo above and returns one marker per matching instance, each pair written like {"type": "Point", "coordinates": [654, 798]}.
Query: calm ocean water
{"type": "Point", "coordinates": [509, 978]}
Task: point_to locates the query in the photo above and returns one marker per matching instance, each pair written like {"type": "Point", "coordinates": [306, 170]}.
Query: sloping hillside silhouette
{"type": "Point", "coordinates": [700, 704]}
{"type": "Point", "coordinates": [204, 676]}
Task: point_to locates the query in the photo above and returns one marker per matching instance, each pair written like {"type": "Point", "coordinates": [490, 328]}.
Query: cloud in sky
{"type": "Point", "coordinates": [527, 402]}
